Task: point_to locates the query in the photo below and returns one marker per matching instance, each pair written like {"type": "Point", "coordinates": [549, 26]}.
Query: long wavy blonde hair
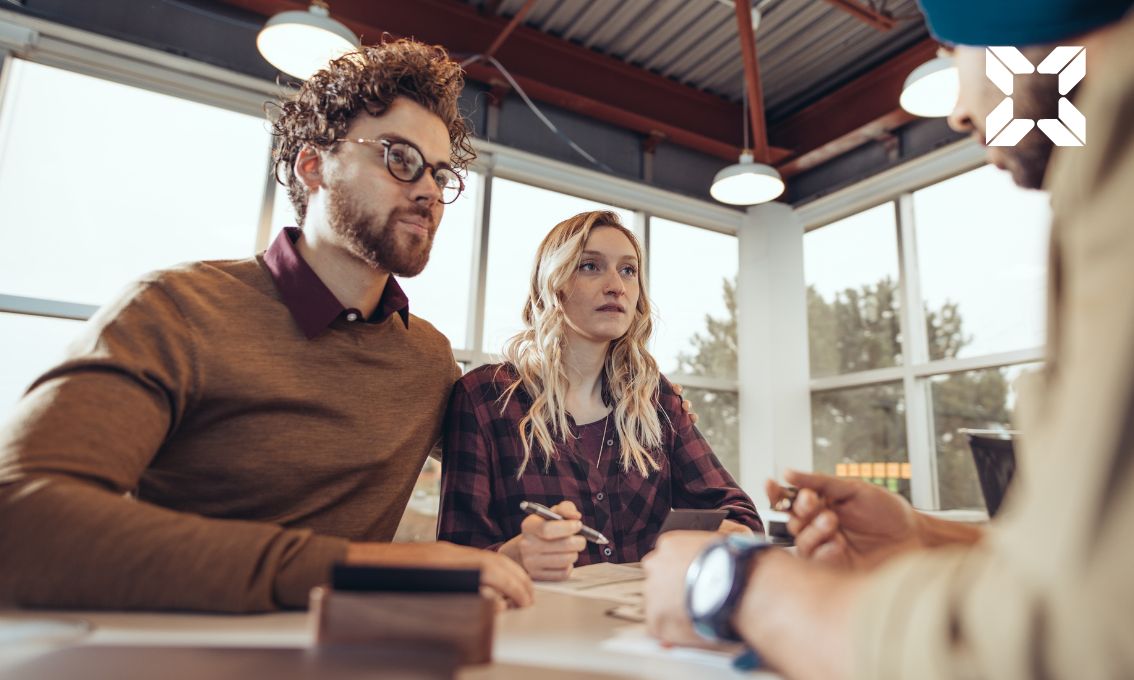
{"type": "Point", "coordinates": [536, 353]}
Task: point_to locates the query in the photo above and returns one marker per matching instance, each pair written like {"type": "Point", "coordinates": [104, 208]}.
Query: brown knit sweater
{"type": "Point", "coordinates": [250, 454]}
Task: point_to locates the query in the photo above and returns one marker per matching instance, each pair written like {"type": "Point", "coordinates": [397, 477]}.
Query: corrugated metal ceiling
{"type": "Point", "coordinates": [807, 48]}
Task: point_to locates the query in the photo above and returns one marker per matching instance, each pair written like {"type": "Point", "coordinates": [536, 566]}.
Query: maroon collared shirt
{"type": "Point", "coordinates": [313, 306]}
{"type": "Point", "coordinates": [480, 494]}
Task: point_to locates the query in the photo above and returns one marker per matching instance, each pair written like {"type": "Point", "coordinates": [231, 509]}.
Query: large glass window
{"type": "Point", "coordinates": [692, 279]}
{"type": "Point", "coordinates": [92, 196]}
{"type": "Point", "coordinates": [692, 282]}
{"type": "Point", "coordinates": [974, 253]}
{"type": "Point", "coordinates": [981, 242]}
{"type": "Point", "coordinates": [851, 270]}
{"type": "Point", "coordinates": [521, 216]}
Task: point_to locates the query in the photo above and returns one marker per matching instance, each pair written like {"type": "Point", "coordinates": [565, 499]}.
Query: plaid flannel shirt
{"type": "Point", "coordinates": [480, 494]}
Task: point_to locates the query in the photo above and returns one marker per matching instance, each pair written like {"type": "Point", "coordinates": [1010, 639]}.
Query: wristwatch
{"type": "Point", "coordinates": [715, 584]}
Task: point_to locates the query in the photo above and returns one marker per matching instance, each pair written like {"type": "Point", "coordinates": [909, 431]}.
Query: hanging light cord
{"type": "Point", "coordinates": [744, 108]}
{"type": "Point", "coordinates": [535, 109]}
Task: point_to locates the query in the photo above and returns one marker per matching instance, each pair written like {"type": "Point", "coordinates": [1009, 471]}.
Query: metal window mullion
{"type": "Point", "coordinates": [700, 382]}
{"type": "Point", "coordinates": [642, 231]}
{"type": "Point", "coordinates": [58, 309]}
{"type": "Point", "coordinates": [858, 379]}
{"type": "Point", "coordinates": [267, 206]}
{"type": "Point", "coordinates": [478, 277]}
{"type": "Point", "coordinates": [946, 366]}
{"type": "Point", "coordinates": [920, 442]}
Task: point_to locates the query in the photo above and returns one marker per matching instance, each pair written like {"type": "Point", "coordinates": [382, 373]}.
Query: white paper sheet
{"type": "Point", "coordinates": [621, 583]}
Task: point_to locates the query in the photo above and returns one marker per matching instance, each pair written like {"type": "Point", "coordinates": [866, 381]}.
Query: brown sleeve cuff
{"type": "Point", "coordinates": [307, 567]}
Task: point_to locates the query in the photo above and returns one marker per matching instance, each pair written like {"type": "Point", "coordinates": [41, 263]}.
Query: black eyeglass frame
{"type": "Point", "coordinates": [387, 144]}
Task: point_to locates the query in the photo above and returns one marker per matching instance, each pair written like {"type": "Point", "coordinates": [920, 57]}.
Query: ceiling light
{"type": "Point", "coordinates": [747, 182]}
{"type": "Point", "coordinates": [931, 90]}
{"type": "Point", "coordinates": [301, 43]}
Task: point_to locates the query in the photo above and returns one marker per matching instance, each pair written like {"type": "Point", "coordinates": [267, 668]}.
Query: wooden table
{"type": "Point", "coordinates": [562, 637]}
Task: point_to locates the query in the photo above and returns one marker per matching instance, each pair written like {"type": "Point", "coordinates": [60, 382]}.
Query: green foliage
{"type": "Point", "coordinates": [859, 330]}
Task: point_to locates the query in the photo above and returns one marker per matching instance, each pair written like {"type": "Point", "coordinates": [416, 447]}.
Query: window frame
{"type": "Point", "coordinates": [897, 186]}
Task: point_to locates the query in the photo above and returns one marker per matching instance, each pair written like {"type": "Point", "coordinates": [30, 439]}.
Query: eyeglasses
{"type": "Point", "coordinates": [405, 162]}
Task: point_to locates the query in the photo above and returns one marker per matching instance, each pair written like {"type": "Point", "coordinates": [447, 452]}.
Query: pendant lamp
{"type": "Point", "coordinates": [931, 89]}
{"type": "Point", "coordinates": [301, 43]}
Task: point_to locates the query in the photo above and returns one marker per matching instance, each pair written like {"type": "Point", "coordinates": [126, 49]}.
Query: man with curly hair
{"type": "Point", "coordinates": [225, 431]}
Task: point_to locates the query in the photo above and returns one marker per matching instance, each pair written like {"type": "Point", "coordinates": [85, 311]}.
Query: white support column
{"type": "Point", "coordinates": [773, 370]}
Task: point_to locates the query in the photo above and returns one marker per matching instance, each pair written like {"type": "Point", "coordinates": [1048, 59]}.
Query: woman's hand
{"type": "Point", "coordinates": [548, 549]}
{"type": "Point", "coordinates": [728, 526]}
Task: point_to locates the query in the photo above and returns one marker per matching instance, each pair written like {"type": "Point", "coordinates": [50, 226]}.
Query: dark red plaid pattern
{"type": "Point", "coordinates": [480, 495]}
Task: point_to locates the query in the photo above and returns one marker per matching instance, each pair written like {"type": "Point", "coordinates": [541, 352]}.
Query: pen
{"type": "Point", "coordinates": [785, 503]}
{"type": "Point", "coordinates": [547, 513]}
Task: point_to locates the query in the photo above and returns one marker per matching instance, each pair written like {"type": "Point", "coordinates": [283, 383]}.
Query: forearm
{"type": "Point", "coordinates": [797, 616]}
{"type": "Point", "coordinates": [934, 532]}
{"type": "Point", "coordinates": [69, 543]}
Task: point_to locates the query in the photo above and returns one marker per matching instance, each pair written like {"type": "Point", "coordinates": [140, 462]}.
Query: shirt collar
{"type": "Point", "coordinates": [313, 306]}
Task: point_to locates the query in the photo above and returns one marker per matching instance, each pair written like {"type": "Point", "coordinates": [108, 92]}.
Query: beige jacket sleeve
{"type": "Point", "coordinates": [80, 440]}
{"type": "Point", "coordinates": [1049, 593]}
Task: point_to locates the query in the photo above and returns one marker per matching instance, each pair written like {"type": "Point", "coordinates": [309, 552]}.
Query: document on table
{"type": "Point", "coordinates": [634, 640]}
{"type": "Point", "coordinates": [621, 583]}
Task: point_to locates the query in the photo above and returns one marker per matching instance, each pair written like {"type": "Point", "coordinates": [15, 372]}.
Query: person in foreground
{"type": "Point", "coordinates": [1045, 590]}
{"type": "Point", "coordinates": [578, 418]}
{"type": "Point", "coordinates": [225, 431]}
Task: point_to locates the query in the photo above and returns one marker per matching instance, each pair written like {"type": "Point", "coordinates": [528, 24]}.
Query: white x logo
{"type": "Point", "coordinates": [1002, 63]}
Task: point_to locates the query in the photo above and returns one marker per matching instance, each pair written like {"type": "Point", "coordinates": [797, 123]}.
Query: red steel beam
{"type": "Point", "coordinates": [752, 79]}
{"type": "Point", "coordinates": [509, 28]}
{"type": "Point", "coordinates": [594, 85]}
{"type": "Point", "coordinates": [872, 18]}
{"type": "Point", "coordinates": [852, 115]}
{"type": "Point", "coordinates": [549, 69]}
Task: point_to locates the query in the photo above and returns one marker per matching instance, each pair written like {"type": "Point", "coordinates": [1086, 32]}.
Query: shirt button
{"type": "Point", "coordinates": [610, 442]}
{"type": "Point", "coordinates": [607, 551]}
{"type": "Point", "coordinates": [599, 496]}
{"type": "Point", "coordinates": [353, 316]}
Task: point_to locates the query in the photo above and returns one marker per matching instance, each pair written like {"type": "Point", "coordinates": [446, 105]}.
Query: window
{"type": "Point", "coordinates": [521, 216]}
{"type": "Point", "coordinates": [981, 251]}
{"type": "Point", "coordinates": [692, 279]}
{"type": "Point", "coordinates": [851, 269]}
{"type": "Point", "coordinates": [979, 400]}
{"type": "Point", "coordinates": [91, 197]}
{"type": "Point", "coordinates": [886, 399]}
{"type": "Point", "coordinates": [861, 432]}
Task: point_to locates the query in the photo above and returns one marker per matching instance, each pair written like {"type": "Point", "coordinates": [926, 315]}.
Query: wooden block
{"type": "Point", "coordinates": [460, 621]}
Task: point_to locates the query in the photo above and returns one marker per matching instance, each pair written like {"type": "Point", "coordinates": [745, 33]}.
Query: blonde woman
{"type": "Point", "coordinates": [577, 418]}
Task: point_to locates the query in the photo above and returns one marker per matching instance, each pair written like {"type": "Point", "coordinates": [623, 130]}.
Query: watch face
{"type": "Point", "coordinates": [713, 582]}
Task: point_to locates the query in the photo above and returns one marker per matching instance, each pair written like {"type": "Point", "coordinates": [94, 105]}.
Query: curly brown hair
{"type": "Point", "coordinates": [368, 79]}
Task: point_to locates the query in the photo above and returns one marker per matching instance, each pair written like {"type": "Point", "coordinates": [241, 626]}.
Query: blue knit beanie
{"type": "Point", "coordinates": [1018, 22]}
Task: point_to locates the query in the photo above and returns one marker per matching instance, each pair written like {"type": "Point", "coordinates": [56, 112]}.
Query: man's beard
{"type": "Point", "coordinates": [1028, 160]}
{"type": "Point", "coordinates": [1036, 98]}
{"type": "Point", "coordinates": [379, 245]}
